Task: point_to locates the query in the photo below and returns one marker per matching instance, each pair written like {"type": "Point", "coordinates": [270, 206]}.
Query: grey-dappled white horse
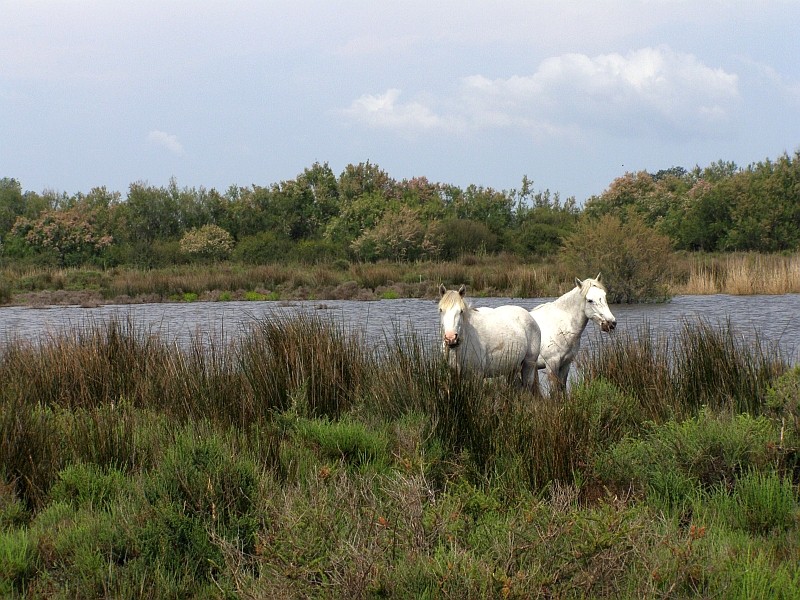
{"type": "Point", "coordinates": [490, 341]}
{"type": "Point", "coordinates": [562, 322]}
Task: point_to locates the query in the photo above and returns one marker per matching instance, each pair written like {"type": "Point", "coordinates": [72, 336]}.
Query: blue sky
{"type": "Point", "coordinates": [570, 93]}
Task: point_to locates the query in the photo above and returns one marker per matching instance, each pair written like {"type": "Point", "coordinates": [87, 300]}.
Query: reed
{"type": "Point", "coordinates": [706, 365]}
{"type": "Point", "coordinates": [741, 274]}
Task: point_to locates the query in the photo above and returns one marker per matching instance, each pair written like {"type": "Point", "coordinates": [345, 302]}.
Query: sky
{"type": "Point", "coordinates": [568, 93]}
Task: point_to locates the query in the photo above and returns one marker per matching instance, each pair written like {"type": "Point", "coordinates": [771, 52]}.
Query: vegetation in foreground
{"type": "Point", "coordinates": [299, 461]}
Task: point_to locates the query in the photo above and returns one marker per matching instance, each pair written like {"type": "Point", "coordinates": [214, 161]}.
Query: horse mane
{"type": "Point", "coordinates": [588, 283]}
{"type": "Point", "coordinates": [452, 298]}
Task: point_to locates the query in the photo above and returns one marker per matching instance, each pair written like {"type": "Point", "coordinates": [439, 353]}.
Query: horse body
{"type": "Point", "coordinates": [562, 322]}
{"type": "Point", "coordinates": [490, 341]}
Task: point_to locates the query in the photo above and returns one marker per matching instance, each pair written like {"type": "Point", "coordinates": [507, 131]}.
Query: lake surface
{"type": "Point", "coordinates": [774, 319]}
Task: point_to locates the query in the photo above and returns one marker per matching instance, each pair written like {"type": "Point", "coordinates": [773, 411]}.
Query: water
{"type": "Point", "coordinates": [774, 319]}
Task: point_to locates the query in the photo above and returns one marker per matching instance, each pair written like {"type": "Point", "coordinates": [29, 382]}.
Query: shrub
{"type": "Point", "coordinates": [397, 236]}
{"type": "Point", "coordinates": [199, 493]}
{"type": "Point", "coordinates": [677, 459]}
{"type": "Point", "coordinates": [305, 361]}
{"type": "Point", "coordinates": [317, 251]}
{"type": "Point", "coordinates": [454, 237]}
{"type": "Point", "coordinates": [345, 440]}
{"type": "Point", "coordinates": [762, 502]}
{"type": "Point", "coordinates": [209, 242]}
{"type": "Point", "coordinates": [89, 486]}
{"type": "Point", "coordinates": [633, 258]}
{"type": "Point", "coordinates": [6, 293]}
{"type": "Point", "coordinates": [17, 561]}
{"type": "Point", "coordinates": [783, 400]}
{"type": "Point", "coordinates": [263, 248]}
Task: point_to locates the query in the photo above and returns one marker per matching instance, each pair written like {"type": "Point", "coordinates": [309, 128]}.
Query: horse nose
{"type": "Point", "coordinates": [612, 324]}
{"type": "Point", "coordinates": [451, 338]}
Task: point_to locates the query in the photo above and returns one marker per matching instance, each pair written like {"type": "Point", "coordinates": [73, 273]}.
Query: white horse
{"type": "Point", "coordinates": [489, 341]}
{"type": "Point", "coordinates": [562, 322]}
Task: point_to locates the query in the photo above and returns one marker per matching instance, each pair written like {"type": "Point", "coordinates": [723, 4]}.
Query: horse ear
{"type": "Point", "coordinates": [598, 277]}
{"type": "Point", "coordinates": [578, 282]}
{"type": "Point", "coordinates": [442, 289]}
{"type": "Point", "coordinates": [462, 290]}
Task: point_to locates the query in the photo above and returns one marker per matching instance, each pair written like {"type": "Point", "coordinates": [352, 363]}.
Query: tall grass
{"type": "Point", "coordinates": [741, 274]}
{"type": "Point", "coordinates": [304, 460]}
{"type": "Point", "coordinates": [675, 377]}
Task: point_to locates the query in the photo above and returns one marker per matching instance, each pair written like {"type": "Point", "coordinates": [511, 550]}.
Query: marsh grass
{"type": "Point", "coordinates": [300, 461]}
{"type": "Point", "coordinates": [740, 274]}
{"type": "Point", "coordinates": [705, 365]}
{"type": "Point", "coordinates": [485, 275]}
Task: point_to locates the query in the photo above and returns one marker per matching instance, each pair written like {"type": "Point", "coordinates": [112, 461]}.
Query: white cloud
{"type": "Point", "coordinates": [651, 90]}
{"type": "Point", "coordinates": [642, 90]}
{"type": "Point", "coordinates": [384, 111]}
{"type": "Point", "coordinates": [166, 140]}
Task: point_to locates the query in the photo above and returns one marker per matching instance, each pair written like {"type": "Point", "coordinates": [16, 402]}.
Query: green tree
{"type": "Point", "coordinates": [541, 222]}
{"type": "Point", "coordinates": [488, 206]}
{"type": "Point", "coordinates": [150, 214]}
{"type": "Point", "coordinates": [356, 217]}
{"type": "Point", "coordinates": [12, 204]}
{"type": "Point", "coordinates": [362, 179]}
{"type": "Point", "coordinates": [624, 194]}
{"type": "Point", "coordinates": [765, 212]}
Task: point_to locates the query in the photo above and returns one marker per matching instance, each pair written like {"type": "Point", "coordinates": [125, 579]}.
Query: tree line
{"type": "Point", "coordinates": [366, 215]}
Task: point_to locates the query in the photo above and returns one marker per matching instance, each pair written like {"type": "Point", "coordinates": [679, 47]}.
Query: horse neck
{"type": "Point", "coordinates": [572, 303]}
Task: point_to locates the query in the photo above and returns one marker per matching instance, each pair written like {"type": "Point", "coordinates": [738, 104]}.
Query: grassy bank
{"type": "Point", "coordinates": [298, 462]}
{"type": "Point", "coordinates": [484, 275]}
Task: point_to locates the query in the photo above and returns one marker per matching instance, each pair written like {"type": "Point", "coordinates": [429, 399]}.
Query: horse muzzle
{"type": "Point", "coordinates": [608, 326]}
{"type": "Point", "coordinates": [452, 340]}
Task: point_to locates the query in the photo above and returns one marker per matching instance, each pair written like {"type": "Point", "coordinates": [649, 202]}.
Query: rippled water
{"type": "Point", "coordinates": [774, 319]}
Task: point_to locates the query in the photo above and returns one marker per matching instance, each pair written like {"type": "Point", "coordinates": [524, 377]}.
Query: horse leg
{"type": "Point", "coordinates": [556, 379]}
{"type": "Point", "coordinates": [563, 374]}
{"type": "Point", "coordinates": [530, 376]}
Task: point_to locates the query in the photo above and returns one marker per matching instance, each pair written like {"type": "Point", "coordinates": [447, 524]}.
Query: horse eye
{"type": "Point", "coordinates": [591, 301]}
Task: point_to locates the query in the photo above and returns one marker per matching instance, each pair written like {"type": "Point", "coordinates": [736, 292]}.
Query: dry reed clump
{"type": "Point", "coordinates": [742, 274]}
{"type": "Point", "coordinates": [759, 274]}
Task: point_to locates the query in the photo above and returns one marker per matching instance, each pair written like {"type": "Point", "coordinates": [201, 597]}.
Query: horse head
{"type": "Point", "coordinates": [451, 309]}
{"type": "Point", "coordinates": [595, 306]}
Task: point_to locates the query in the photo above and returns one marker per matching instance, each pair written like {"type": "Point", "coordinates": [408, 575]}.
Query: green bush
{"type": "Point", "coordinates": [312, 252]}
{"type": "Point", "coordinates": [17, 561]}
{"type": "Point", "coordinates": [200, 496]}
{"type": "Point", "coordinates": [674, 460]}
{"type": "Point", "coordinates": [635, 260]}
{"type": "Point", "coordinates": [6, 291]}
{"type": "Point", "coordinates": [454, 237]}
{"type": "Point", "coordinates": [783, 400]}
{"type": "Point", "coordinates": [753, 574]}
{"type": "Point", "coordinates": [88, 486]}
{"type": "Point", "coordinates": [763, 502]}
{"type": "Point", "coordinates": [345, 440]}
{"type": "Point", "coordinates": [79, 547]}
{"type": "Point", "coordinates": [31, 452]}
{"type": "Point", "coordinates": [209, 242]}
{"type": "Point", "coordinates": [263, 248]}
